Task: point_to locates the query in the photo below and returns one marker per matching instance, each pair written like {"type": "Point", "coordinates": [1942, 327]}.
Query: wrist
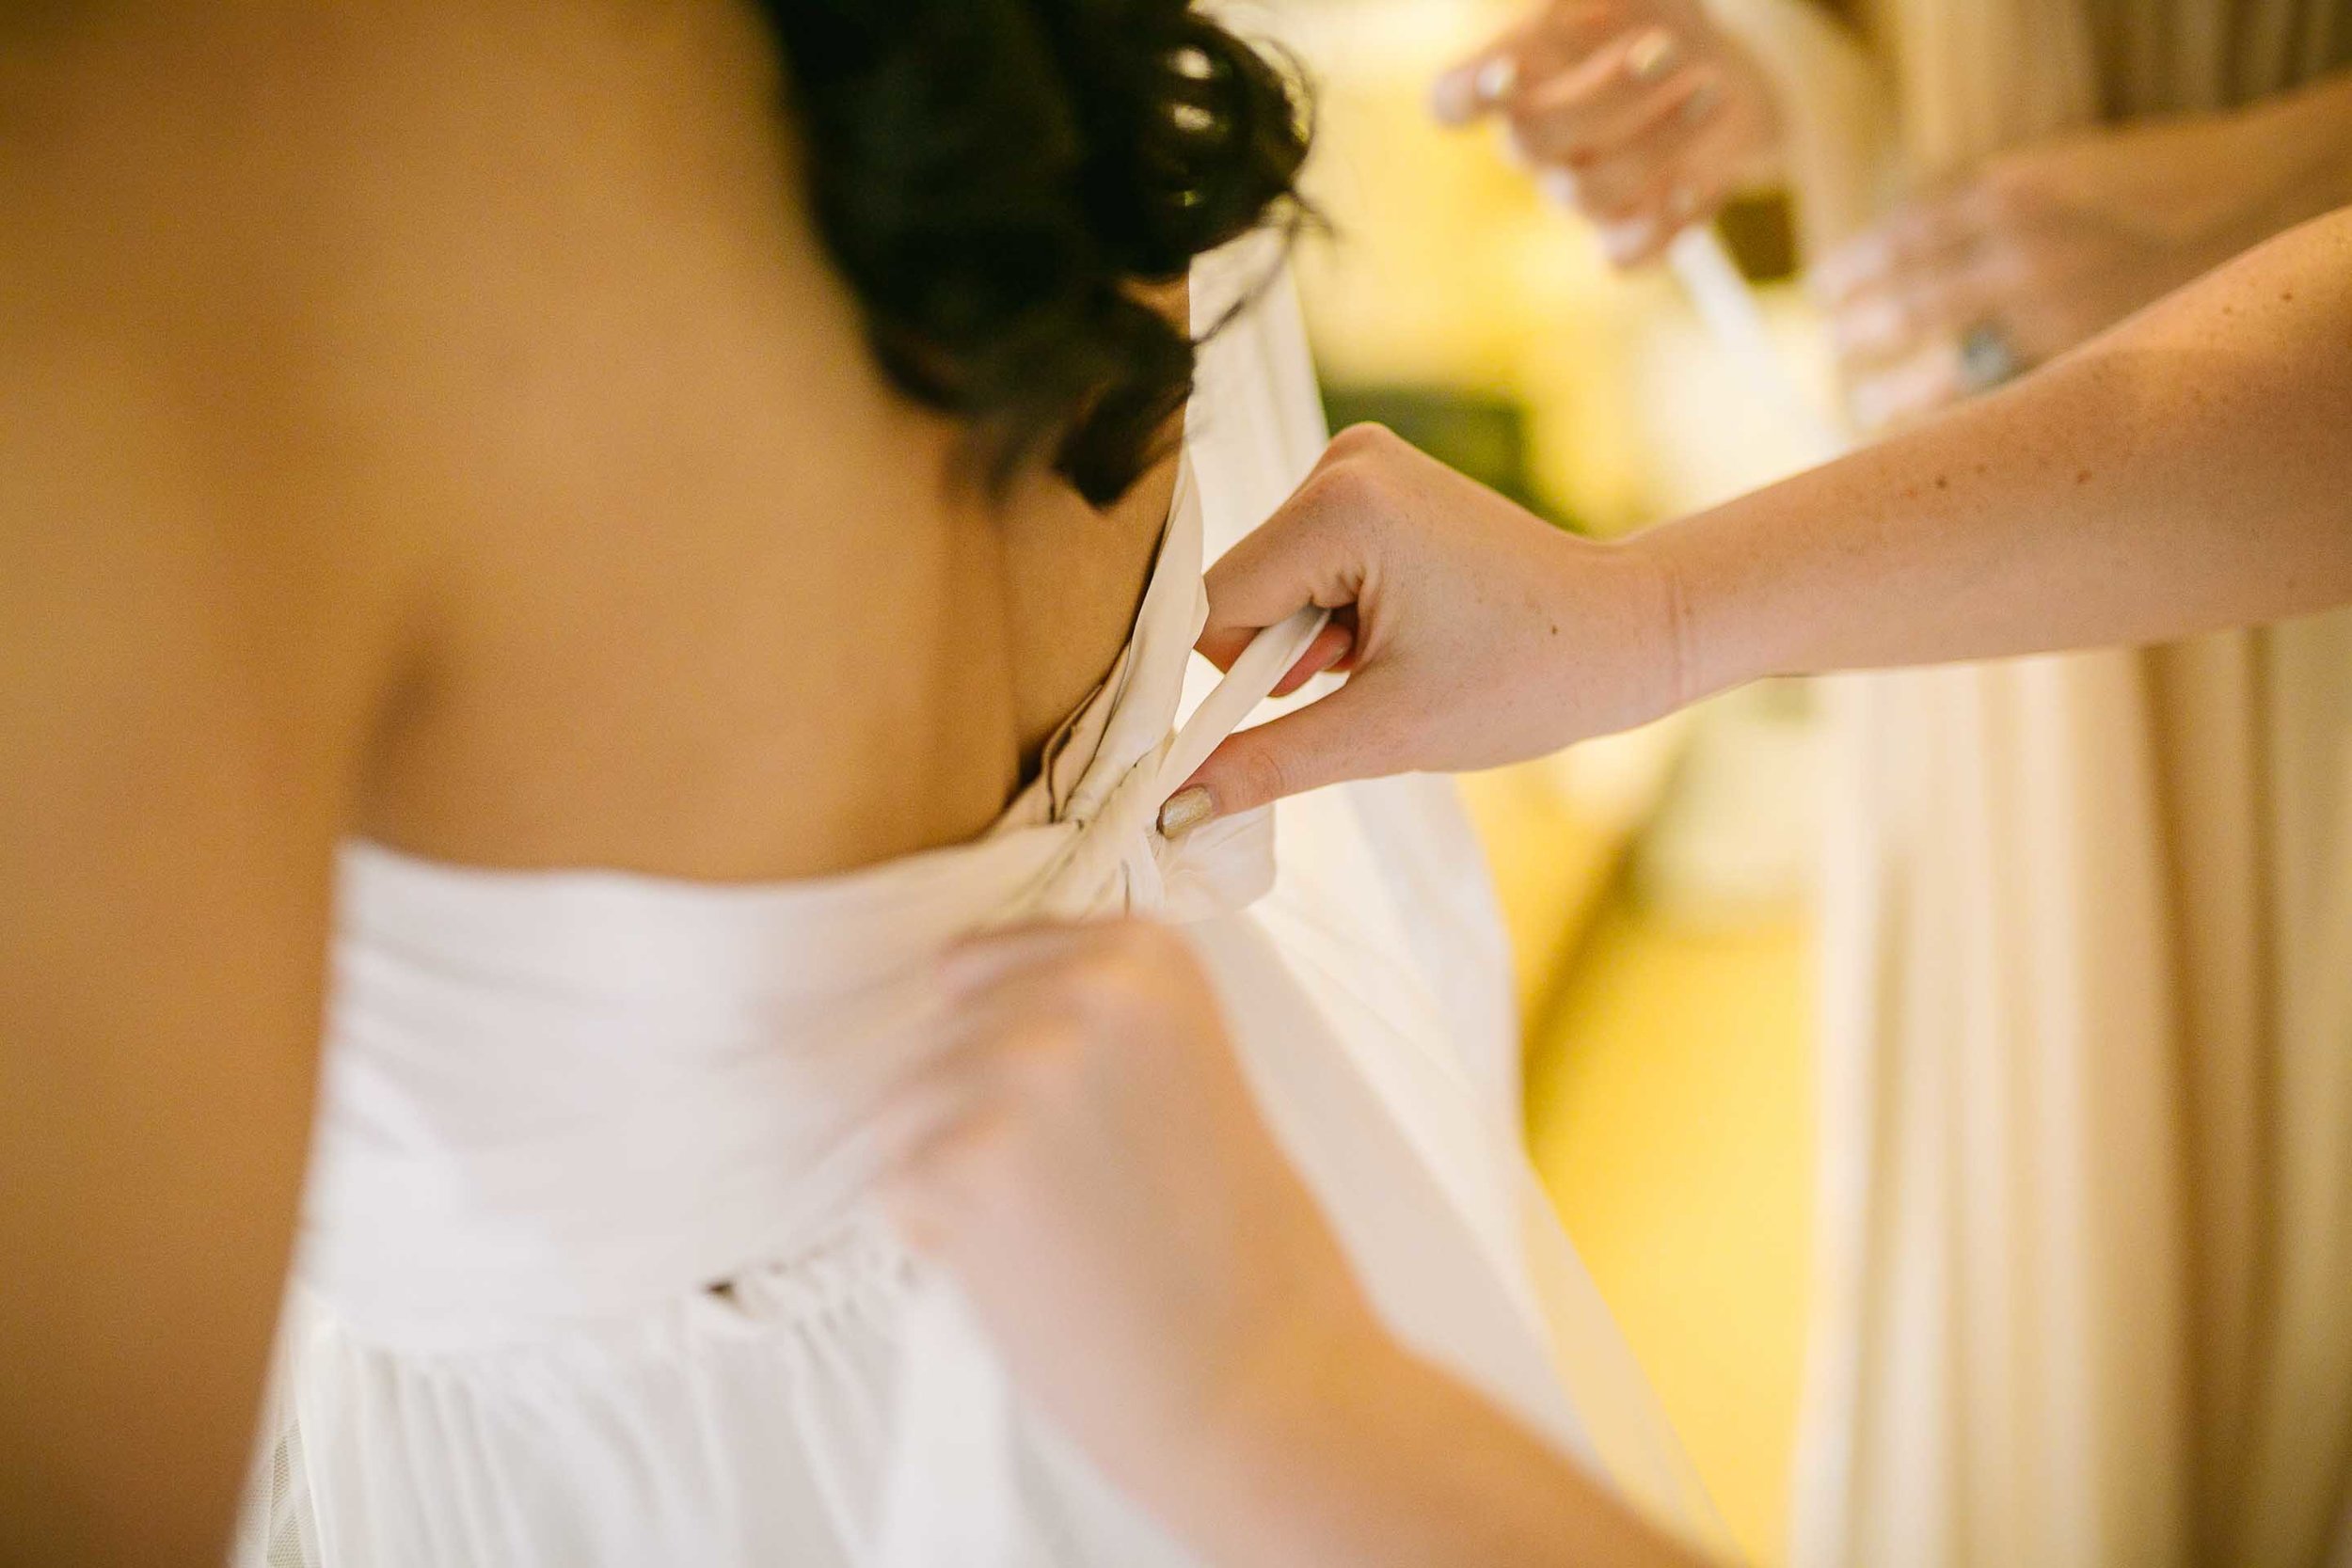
{"type": "Point", "coordinates": [1297, 1392]}
{"type": "Point", "coordinates": [1297, 1375]}
{"type": "Point", "coordinates": [1303, 1453]}
{"type": "Point", "coordinates": [1608, 643]}
{"type": "Point", "coordinates": [1699, 606]}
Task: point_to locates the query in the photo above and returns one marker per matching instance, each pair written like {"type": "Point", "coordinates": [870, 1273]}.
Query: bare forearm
{"type": "Point", "coordinates": [2314, 125]}
{"type": "Point", "coordinates": [1381, 1461]}
{"type": "Point", "coordinates": [2192, 470]}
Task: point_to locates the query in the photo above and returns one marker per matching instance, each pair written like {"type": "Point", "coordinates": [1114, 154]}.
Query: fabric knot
{"type": "Point", "coordinates": [947, 1494]}
{"type": "Point", "coordinates": [1121, 863]}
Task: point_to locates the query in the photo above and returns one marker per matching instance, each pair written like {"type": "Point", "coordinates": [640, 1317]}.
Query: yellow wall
{"type": "Point", "coordinates": [1669, 1111]}
{"type": "Point", "coordinates": [1669, 1099]}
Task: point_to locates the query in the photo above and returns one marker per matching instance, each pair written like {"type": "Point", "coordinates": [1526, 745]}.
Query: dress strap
{"type": "Point", "coordinates": [948, 1495]}
{"type": "Point", "coordinates": [1250, 681]}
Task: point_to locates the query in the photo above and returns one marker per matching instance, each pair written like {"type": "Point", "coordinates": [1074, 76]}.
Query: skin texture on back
{"type": "Point", "coordinates": [434, 421]}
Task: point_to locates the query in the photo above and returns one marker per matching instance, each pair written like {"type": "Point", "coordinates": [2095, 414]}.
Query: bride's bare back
{"type": "Point", "coordinates": [699, 580]}
{"type": "Point", "coordinates": [435, 422]}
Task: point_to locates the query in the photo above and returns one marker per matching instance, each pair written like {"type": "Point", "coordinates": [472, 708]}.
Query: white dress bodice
{"type": "Point", "coordinates": [586, 1274]}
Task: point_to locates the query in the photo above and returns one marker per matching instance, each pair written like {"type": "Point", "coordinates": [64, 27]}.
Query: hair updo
{"type": "Point", "coordinates": [996, 178]}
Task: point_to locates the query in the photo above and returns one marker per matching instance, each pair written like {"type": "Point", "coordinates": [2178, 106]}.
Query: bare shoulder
{"type": "Point", "coordinates": [162, 428]}
{"type": "Point", "coordinates": [475, 203]}
{"type": "Point", "coordinates": [196, 627]}
{"type": "Point", "coordinates": [493, 343]}
{"type": "Point", "coordinates": [382, 295]}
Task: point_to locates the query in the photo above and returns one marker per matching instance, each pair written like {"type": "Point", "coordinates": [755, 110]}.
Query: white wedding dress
{"type": "Point", "coordinates": [585, 1276]}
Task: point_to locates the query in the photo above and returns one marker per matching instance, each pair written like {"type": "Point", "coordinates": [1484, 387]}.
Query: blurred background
{"type": "Point", "coordinates": [1657, 884]}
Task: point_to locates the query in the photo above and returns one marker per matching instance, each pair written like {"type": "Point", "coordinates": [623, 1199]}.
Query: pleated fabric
{"type": "Point", "coordinates": [2085, 1287]}
{"type": "Point", "coordinates": [587, 1273]}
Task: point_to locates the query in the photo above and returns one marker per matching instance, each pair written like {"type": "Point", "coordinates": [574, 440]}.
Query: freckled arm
{"type": "Point", "coordinates": [2188, 471]}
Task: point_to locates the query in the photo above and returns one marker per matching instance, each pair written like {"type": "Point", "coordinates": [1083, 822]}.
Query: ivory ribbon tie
{"type": "Point", "coordinates": [947, 1498]}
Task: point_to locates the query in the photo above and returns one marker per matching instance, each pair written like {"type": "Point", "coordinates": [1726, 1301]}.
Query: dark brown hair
{"type": "Point", "coordinates": [996, 177]}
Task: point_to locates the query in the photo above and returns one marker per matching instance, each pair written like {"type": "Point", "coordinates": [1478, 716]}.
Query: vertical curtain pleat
{"type": "Point", "coordinates": [2085, 1294]}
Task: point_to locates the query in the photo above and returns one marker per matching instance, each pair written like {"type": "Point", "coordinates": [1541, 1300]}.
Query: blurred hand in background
{"type": "Point", "coordinates": [2047, 246]}
{"type": "Point", "coordinates": [1087, 1157]}
{"type": "Point", "coordinates": [1641, 115]}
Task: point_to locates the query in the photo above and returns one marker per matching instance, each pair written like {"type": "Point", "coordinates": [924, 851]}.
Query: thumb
{"type": "Point", "coordinates": [1327, 741]}
{"type": "Point", "coordinates": [1308, 552]}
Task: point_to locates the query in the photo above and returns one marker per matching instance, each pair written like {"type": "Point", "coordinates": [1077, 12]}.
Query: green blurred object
{"type": "Point", "coordinates": [1482, 434]}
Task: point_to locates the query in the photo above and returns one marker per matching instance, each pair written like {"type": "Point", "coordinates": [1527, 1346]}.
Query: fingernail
{"type": "Point", "coordinates": [958, 967]}
{"type": "Point", "coordinates": [1559, 186]}
{"type": "Point", "coordinates": [1453, 99]}
{"type": "Point", "coordinates": [1186, 809]}
{"type": "Point", "coordinates": [1651, 55]}
{"type": "Point", "coordinates": [1838, 272]}
{"type": "Point", "coordinates": [1627, 239]}
{"type": "Point", "coordinates": [1497, 77]}
{"type": "Point", "coordinates": [1868, 326]}
{"type": "Point", "coordinates": [1869, 404]}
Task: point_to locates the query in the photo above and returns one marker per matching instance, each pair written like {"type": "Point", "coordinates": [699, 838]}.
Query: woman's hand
{"type": "Point", "coordinates": [2182, 473]}
{"type": "Point", "coordinates": [1481, 634]}
{"type": "Point", "coordinates": [1642, 115]}
{"type": "Point", "coordinates": [2047, 246]}
{"type": "Point", "coordinates": [1088, 1161]}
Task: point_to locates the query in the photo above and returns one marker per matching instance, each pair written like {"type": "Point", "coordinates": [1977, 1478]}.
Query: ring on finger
{"type": "Point", "coordinates": [1651, 55]}
{"type": "Point", "coordinates": [1987, 357]}
{"type": "Point", "coordinates": [1496, 78]}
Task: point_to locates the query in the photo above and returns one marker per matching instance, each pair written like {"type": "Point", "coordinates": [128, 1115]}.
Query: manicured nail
{"type": "Point", "coordinates": [1841, 270]}
{"type": "Point", "coordinates": [1651, 55]}
{"type": "Point", "coordinates": [1871, 404]}
{"type": "Point", "coordinates": [1186, 809]}
{"type": "Point", "coordinates": [1497, 77]}
{"type": "Point", "coordinates": [1627, 239]}
{"type": "Point", "coordinates": [1453, 99]}
{"type": "Point", "coordinates": [1559, 187]}
{"type": "Point", "coordinates": [1871, 327]}
{"type": "Point", "coordinates": [959, 967]}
